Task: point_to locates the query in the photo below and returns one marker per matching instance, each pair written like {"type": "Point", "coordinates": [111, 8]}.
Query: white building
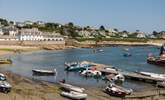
{"type": "Point", "coordinates": [36, 35]}
{"type": "Point", "coordinates": [141, 35]}
{"type": "Point", "coordinates": [30, 35]}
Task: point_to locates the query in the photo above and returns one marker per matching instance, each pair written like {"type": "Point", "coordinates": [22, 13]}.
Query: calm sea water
{"type": "Point", "coordinates": [24, 63]}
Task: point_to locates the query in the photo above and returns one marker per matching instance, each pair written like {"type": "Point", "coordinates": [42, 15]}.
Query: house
{"type": "Point", "coordinates": [124, 35]}
{"type": "Point", "coordinates": [141, 35]}
{"type": "Point", "coordinates": [48, 36]}
{"type": "Point", "coordinates": [84, 33]}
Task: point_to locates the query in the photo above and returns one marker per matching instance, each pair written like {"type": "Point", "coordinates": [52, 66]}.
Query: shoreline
{"type": "Point", "coordinates": [24, 88]}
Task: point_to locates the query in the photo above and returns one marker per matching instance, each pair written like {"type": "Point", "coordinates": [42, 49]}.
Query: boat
{"type": "Point", "coordinates": [74, 95]}
{"type": "Point", "coordinates": [91, 73]}
{"type": "Point", "coordinates": [160, 84]}
{"type": "Point", "coordinates": [77, 67]}
{"type": "Point", "coordinates": [154, 75]}
{"type": "Point", "coordinates": [5, 87]}
{"type": "Point", "coordinates": [160, 60]}
{"type": "Point", "coordinates": [71, 87]}
{"type": "Point", "coordinates": [5, 61]}
{"type": "Point", "coordinates": [44, 72]}
{"type": "Point", "coordinates": [118, 91]}
{"type": "Point", "coordinates": [2, 77]}
{"type": "Point", "coordinates": [115, 78]}
{"type": "Point", "coordinates": [127, 54]}
{"type": "Point", "coordinates": [156, 61]}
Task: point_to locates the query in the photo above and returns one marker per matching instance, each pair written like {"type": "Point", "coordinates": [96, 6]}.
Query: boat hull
{"type": "Point", "coordinates": [156, 62]}
{"type": "Point", "coordinates": [114, 93]}
{"type": "Point", "coordinates": [42, 73]}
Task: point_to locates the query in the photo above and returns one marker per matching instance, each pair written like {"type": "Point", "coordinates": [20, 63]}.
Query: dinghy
{"type": "Point", "coordinates": [44, 72]}
{"type": "Point", "coordinates": [74, 95]}
{"type": "Point", "coordinates": [71, 87]}
{"type": "Point", "coordinates": [5, 87]}
{"type": "Point", "coordinates": [5, 61]}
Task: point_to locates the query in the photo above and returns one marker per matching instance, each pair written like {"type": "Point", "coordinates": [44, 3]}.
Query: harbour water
{"type": "Point", "coordinates": [25, 62]}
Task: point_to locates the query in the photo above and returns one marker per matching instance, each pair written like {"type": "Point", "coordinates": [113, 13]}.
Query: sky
{"type": "Point", "coordinates": [130, 15]}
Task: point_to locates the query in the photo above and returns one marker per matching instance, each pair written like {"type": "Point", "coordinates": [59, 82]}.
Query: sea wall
{"type": "Point", "coordinates": [32, 43]}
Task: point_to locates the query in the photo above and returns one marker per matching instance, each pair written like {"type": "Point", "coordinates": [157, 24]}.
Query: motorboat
{"type": "Point", "coordinates": [74, 95]}
{"type": "Point", "coordinates": [5, 87]}
{"type": "Point", "coordinates": [5, 61]}
{"type": "Point", "coordinates": [127, 54]}
{"type": "Point", "coordinates": [44, 72]}
{"type": "Point", "coordinates": [118, 91]}
{"type": "Point", "coordinates": [91, 73]}
{"type": "Point", "coordinates": [2, 77]}
{"type": "Point", "coordinates": [77, 67]}
{"type": "Point", "coordinates": [154, 75]}
{"type": "Point", "coordinates": [156, 61]}
{"type": "Point", "coordinates": [71, 87]}
{"type": "Point", "coordinates": [115, 78]}
{"type": "Point", "coordinates": [160, 84]}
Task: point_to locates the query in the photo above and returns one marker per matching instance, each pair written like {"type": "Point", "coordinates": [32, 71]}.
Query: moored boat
{"type": "Point", "coordinates": [2, 77]}
{"type": "Point", "coordinates": [156, 61]}
{"type": "Point", "coordinates": [160, 60]}
{"type": "Point", "coordinates": [118, 91]}
{"type": "Point", "coordinates": [91, 73]}
{"type": "Point", "coordinates": [71, 87]}
{"type": "Point", "coordinates": [44, 72]}
{"type": "Point", "coordinates": [160, 84]}
{"type": "Point", "coordinates": [154, 75]}
{"type": "Point", "coordinates": [74, 95]}
{"type": "Point", "coordinates": [5, 87]}
{"type": "Point", "coordinates": [5, 61]}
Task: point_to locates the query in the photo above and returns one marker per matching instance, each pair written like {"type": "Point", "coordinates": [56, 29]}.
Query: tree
{"type": "Point", "coordinates": [137, 31]}
{"type": "Point", "coordinates": [70, 24]}
{"type": "Point", "coordinates": [155, 33]}
{"type": "Point", "coordinates": [115, 29]}
{"type": "Point", "coordinates": [102, 28]}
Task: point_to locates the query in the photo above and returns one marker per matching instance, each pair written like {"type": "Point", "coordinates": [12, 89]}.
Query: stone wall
{"type": "Point", "coordinates": [32, 43]}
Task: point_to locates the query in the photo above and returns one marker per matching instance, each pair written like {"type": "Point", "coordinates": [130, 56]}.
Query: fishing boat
{"type": "Point", "coordinates": [71, 87]}
{"type": "Point", "coordinates": [5, 87]}
{"type": "Point", "coordinates": [5, 61]}
{"type": "Point", "coordinates": [44, 72]}
{"type": "Point", "coordinates": [74, 95]}
{"type": "Point", "coordinates": [118, 91]}
{"type": "Point", "coordinates": [154, 75]}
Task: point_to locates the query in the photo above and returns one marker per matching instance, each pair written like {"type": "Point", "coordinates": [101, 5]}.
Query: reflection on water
{"type": "Point", "coordinates": [24, 63]}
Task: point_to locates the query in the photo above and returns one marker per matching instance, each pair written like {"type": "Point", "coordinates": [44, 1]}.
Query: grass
{"type": "Point", "coordinates": [7, 49]}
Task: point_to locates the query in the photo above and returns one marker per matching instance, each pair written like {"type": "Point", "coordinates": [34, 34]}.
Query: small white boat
{"type": "Point", "coordinates": [42, 72]}
{"type": "Point", "coordinates": [71, 87]}
{"type": "Point", "coordinates": [154, 75]}
{"type": "Point", "coordinates": [74, 95]}
{"type": "Point", "coordinates": [2, 77]}
{"type": "Point", "coordinates": [91, 73]}
{"type": "Point", "coordinates": [160, 84]}
{"type": "Point", "coordinates": [5, 87]}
